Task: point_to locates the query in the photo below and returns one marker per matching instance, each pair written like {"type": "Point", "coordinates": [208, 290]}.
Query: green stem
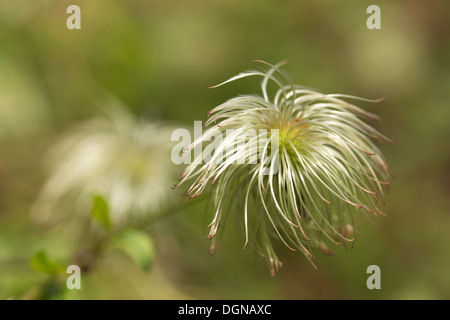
{"type": "Point", "coordinates": [84, 258]}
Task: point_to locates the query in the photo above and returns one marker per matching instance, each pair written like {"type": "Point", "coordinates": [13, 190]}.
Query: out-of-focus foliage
{"type": "Point", "coordinates": [156, 57]}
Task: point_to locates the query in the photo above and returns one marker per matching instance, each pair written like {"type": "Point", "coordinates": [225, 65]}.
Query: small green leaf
{"type": "Point", "coordinates": [53, 289]}
{"type": "Point", "coordinates": [138, 245]}
{"type": "Point", "coordinates": [100, 211]}
{"type": "Point", "coordinates": [40, 262]}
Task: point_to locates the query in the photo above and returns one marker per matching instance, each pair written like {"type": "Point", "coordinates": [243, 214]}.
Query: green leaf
{"type": "Point", "coordinates": [100, 211]}
{"type": "Point", "coordinates": [40, 262]}
{"type": "Point", "coordinates": [138, 245]}
{"type": "Point", "coordinates": [53, 289]}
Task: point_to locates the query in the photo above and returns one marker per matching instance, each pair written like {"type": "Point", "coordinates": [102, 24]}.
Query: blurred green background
{"type": "Point", "coordinates": [156, 57]}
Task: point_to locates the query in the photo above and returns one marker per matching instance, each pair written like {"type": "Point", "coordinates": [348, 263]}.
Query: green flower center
{"type": "Point", "coordinates": [293, 137]}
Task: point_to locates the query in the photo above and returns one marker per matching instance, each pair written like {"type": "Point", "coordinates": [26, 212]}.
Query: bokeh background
{"type": "Point", "coordinates": [154, 59]}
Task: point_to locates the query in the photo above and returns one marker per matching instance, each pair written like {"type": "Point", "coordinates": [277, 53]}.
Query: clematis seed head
{"type": "Point", "coordinates": [328, 170]}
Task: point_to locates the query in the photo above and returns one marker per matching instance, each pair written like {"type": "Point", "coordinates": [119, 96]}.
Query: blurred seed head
{"type": "Point", "coordinates": [119, 157]}
{"type": "Point", "coordinates": [330, 172]}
